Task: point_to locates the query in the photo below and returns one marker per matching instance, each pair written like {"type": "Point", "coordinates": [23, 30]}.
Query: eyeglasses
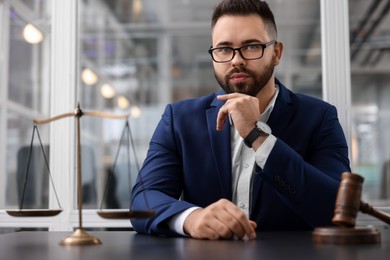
{"type": "Point", "coordinates": [247, 52]}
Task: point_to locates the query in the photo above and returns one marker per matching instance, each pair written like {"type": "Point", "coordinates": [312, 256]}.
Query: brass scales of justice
{"type": "Point", "coordinates": [80, 236]}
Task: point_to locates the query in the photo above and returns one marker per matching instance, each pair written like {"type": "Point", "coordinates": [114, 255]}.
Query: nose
{"type": "Point", "coordinates": [238, 60]}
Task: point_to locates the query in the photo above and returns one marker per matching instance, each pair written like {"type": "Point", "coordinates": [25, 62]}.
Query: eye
{"type": "Point", "coordinates": [223, 50]}
{"type": "Point", "coordinates": [253, 47]}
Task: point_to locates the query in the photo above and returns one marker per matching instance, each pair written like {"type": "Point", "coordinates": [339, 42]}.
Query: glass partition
{"type": "Point", "coordinates": [370, 84]}
{"type": "Point", "coordinates": [299, 28]}
{"type": "Point", "coordinates": [22, 168]}
{"type": "Point", "coordinates": [25, 64]}
{"type": "Point", "coordinates": [137, 56]}
{"type": "Point", "coordinates": [27, 97]}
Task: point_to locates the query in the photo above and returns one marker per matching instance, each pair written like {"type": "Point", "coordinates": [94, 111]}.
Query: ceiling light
{"type": "Point", "coordinates": [135, 112]}
{"type": "Point", "coordinates": [107, 91]}
{"type": "Point", "coordinates": [123, 102]}
{"type": "Point", "coordinates": [137, 7]}
{"type": "Point", "coordinates": [32, 35]}
{"type": "Point", "coordinates": [89, 77]}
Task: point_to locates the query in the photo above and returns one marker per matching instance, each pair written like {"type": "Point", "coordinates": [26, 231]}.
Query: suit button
{"type": "Point", "coordinates": [242, 205]}
{"type": "Point", "coordinates": [284, 185]}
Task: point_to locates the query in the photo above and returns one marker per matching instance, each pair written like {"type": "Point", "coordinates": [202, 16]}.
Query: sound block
{"type": "Point", "coordinates": [346, 235]}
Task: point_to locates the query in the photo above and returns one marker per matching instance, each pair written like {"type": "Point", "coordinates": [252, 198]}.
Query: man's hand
{"type": "Point", "coordinates": [222, 219]}
{"type": "Point", "coordinates": [244, 110]}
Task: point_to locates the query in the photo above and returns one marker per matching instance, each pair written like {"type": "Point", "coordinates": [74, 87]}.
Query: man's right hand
{"type": "Point", "coordinates": [220, 220]}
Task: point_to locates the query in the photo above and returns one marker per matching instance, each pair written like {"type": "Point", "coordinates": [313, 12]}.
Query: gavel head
{"type": "Point", "coordinates": [348, 200]}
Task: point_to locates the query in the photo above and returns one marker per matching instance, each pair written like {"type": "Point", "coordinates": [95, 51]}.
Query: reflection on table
{"type": "Point", "coordinates": [130, 245]}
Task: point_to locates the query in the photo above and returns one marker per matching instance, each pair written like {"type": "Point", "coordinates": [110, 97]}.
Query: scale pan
{"type": "Point", "coordinates": [34, 212]}
{"type": "Point", "coordinates": [125, 214]}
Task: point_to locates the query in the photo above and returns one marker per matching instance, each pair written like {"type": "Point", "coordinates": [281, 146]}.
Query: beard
{"type": "Point", "coordinates": [260, 79]}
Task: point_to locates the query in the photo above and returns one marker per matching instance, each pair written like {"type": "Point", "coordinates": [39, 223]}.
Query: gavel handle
{"type": "Point", "coordinates": [368, 209]}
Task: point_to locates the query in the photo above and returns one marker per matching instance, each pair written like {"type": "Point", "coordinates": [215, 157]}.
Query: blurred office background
{"type": "Point", "coordinates": [135, 56]}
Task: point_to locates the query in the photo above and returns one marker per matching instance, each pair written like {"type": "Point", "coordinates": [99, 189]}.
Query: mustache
{"type": "Point", "coordinates": [239, 70]}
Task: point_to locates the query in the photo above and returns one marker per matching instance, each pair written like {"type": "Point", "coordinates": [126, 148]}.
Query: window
{"type": "Point", "coordinates": [25, 95]}
{"type": "Point", "coordinates": [152, 53]}
{"type": "Point", "coordinates": [370, 82]}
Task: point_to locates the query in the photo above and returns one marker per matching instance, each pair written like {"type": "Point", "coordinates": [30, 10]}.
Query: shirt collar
{"type": "Point", "coordinates": [268, 110]}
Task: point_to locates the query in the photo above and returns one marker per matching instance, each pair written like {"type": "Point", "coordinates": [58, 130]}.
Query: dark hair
{"type": "Point", "coordinates": [244, 8]}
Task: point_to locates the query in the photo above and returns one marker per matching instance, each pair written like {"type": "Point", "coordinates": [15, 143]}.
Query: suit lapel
{"type": "Point", "coordinates": [282, 113]}
{"type": "Point", "coordinates": [221, 148]}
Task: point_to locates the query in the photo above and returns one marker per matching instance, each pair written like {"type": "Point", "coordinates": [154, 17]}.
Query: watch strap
{"type": "Point", "coordinates": [252, 136]}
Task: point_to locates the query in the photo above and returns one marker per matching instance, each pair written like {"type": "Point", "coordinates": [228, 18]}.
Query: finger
{"type": "Point", "coordinates": [229, 227]}
{"type": "Point", "coordinates": [234, 226]}
{"type": "Point", "coordinates": [223, 97]}
{"type": "Point", "coordinates": [230, 96]}
{"type": "Point", "coordinates": [253, 224]}
{"type": "Point", "coordinates": [222, 230]}
{"type": "Point", "coordinates": [244, 222]}
{"type": "Point", "coordinates": [221, 117]}
{"type": "Point", "coordinates": [235, 219]}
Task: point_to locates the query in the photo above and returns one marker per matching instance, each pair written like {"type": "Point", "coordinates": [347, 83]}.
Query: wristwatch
{"type": "Point", "coordinates": [260, 128]}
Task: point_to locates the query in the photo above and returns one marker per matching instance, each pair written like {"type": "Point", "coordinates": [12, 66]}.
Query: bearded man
{"type": "Point", "coordinates": [254, 156]}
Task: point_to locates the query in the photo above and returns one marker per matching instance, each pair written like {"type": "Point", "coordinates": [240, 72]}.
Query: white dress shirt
{"type": "Point", "coordinates": [243, 160]}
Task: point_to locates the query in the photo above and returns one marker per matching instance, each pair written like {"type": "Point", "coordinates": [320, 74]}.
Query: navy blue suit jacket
{"type": "Point", "coordinates": [189, 164]}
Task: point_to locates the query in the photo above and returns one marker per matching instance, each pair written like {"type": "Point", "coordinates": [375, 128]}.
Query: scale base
{"type": "Point", "coordinates": [80, 238]}
{"type": "Point", "coordinates": [345, 235]}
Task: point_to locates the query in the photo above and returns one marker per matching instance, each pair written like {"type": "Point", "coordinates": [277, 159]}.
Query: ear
{"type": "Point", "coordinates": [278, 51]}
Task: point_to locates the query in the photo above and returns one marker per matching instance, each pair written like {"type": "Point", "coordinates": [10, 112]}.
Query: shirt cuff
{"type": "Point", "coordinates": [176, 224]}
{"type": "Point", "coordinates": [264, 150]}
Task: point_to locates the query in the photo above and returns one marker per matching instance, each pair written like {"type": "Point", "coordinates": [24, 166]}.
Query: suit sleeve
{"type": "Point", "coordinates": [308, 182]}
{"type": "Point", "coordinates": [159, 183]}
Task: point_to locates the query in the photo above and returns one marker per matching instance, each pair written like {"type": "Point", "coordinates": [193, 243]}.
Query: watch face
{"type": "Point", "coordinates": [264, 127]}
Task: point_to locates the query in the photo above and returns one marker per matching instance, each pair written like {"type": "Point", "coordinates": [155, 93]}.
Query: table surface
{"type": "Point", "coordinates": [130, 245]}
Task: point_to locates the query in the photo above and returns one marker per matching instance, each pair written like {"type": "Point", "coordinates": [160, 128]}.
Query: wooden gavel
{"type": "Point", "coordinates": [348, 202]}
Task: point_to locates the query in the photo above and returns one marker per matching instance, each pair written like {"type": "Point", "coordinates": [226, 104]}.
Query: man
{"type": "Point", "coordinates": [252, 157]}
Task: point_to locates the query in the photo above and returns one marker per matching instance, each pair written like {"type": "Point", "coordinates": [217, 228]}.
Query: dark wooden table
{"type": "Point", "coordinates": [42, 245]}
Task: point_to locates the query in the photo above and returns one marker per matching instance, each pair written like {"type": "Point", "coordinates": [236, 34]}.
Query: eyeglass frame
{"type": "Point", "coordinates": [263, 46]}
